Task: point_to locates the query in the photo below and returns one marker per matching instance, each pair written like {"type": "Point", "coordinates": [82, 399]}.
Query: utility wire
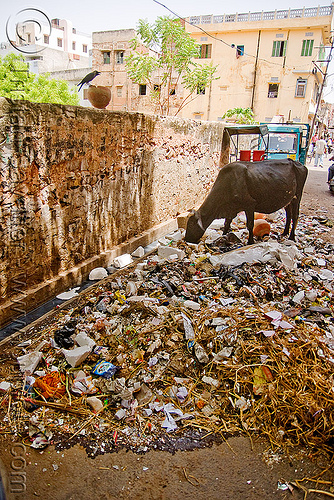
{"type": "Point", "coordinates": [232, 46]}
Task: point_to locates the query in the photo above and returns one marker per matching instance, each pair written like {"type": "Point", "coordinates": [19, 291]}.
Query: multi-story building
{"type": "Point", "coordinates": [272, 62]}
{"type": "Point", "coordinates": [53, 48]}
{"type": "Point", "coordinates": [268, 61]}
{"type": "Point", "coordinates": [110, 49]}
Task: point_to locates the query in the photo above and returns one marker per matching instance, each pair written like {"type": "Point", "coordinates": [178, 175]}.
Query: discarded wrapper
{"type": "Point", "coordinates": [105, 369]}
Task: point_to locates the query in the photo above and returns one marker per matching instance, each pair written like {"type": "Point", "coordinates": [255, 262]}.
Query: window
{"type": "Point", "coordinates": [84, 48]}
{"type": "Point", "coordinates": [157, 88]}
{"type": "Point", "coordinates": [279, 48]}
{"type": "Point", "coordinates": [142, 89]}
{"type": "Point", "coordinates": [322, 53]}
{"type": "Point", "coordinates": [282, 143]}
{"type": "Point", "coordinates": [307, 47]}
{"type": "Point", "coordinates": [73, 45]}
{"type": "Point", "coordinates": [300, 87]}
{"type": "Point", "coordinates": [119, 57]}
{"type": "Point", "coordinates": [273, 90]}
{"type": "Point", "coordinates": [119, 91]}
{"type": "Point", "coordinates": [46, 39]}
{"type": "Point", "coordinates": [29, 37]}
{"type": "Point", "coordinates": [240, 50]}
{"type": "Point", "coordinates": [59, 42]}
{"type": "Point", "coordinates": [205, 51]}
{"type": "Point", "coordinates": [201, 89]}
{"type": "Point", "coordinates": [106, 57]}
{"type": "Point", "coordinates": [172, 91]}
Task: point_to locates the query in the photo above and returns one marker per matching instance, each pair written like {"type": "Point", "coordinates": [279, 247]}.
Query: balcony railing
{"type": "Point", "coordinates": [264, 16]}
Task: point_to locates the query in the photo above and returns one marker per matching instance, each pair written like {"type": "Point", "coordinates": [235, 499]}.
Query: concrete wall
{"type": "Point", "coordinates": [75, 182]}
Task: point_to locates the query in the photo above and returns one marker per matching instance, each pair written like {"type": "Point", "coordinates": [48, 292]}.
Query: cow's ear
{"type": "Point", "coordinates": [192, 211]}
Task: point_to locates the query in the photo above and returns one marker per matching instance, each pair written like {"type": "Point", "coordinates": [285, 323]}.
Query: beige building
{"type": "Point", "coordinates": [110, 49]}
{"type": "Point", "coordinates": [268, 61]}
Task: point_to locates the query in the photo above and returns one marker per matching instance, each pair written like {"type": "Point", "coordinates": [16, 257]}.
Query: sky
{"type": "Point", "coordinates": [103, 15]}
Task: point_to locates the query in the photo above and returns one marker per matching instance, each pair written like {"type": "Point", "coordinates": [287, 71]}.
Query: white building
{"type": "Point", "coordinates": [54, 48]}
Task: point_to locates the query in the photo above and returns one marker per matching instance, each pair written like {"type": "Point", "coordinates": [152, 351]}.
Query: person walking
{"type": "Point", "coordinates": [313, 141]}
{"type": "Point", "coordinates": [320, 149]}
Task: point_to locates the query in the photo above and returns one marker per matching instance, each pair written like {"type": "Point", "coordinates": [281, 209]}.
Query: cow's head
{"type": "Point", "coordinates": [195, 228]}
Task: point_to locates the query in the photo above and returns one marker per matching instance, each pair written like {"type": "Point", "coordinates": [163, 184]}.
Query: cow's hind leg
{"type": "Point", "coordinates": [288, 215]}
{"type": "Point", "coordinates": [250, 226]}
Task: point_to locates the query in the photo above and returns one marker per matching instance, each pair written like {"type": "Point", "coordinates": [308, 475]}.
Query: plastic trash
{"type": "Point", "coordinates": [165, 251]}
{"type": "Point", "coordinates": [120, 414]}
{"type": "Point", "coordinates": [326, 274]}
{"type": "Point", "coordinates": [191, 304]}
{"type": "Point", "coordinates": [52, 385]}
{"type": "Point", "coordinates": [298, 297]}
{"type": "Point", "coordinates": [139, 252]}
{"type": "Point", "coordinates": [105, 369]}
{"type": "Point", "coordinates": [123, 260]}
{"type": "Point", "coordinates": [40, 436]}
{"type": "Point", "coordinates": [83, 339]}
{"type": "Point", "coordinates": [63, 338]}
{"type": "Point", "coordinates": [211, 381]}
{"type": "Point", "coordinates": [269, 251]}
{"type": "Point", "coordinates": [223, 354]}
{"type": "Point", "coordinates": [69, 295]}
{"type": "Point", "coordinates": [99, 273]}
{"type": "Point", "coordinates": [83, 384]}
{"type": "Point", "coordinates": [95, 403]}
{"type": "Point", "coordinates": [76, 356]}
{"type": "Point", "coordinates": [29, 362]}
{"type": "Point", "coordinates": [201, 355]}
{"type": "Point", "coordinates": [261, 228]}
{"type": "Point", "coordinates": [5, 386]}
{"type": "Point", "coordinates": [188, 328]}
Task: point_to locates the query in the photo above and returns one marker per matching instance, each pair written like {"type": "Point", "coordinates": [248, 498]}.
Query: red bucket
{"type": "Point", "coordinates": [245, 155]}
{"type": "Point", "coordinates": [258, 155]}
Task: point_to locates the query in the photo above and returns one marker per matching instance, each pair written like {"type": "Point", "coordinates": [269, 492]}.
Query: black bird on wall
{"type": "Point", "coordinates": [88, 78]}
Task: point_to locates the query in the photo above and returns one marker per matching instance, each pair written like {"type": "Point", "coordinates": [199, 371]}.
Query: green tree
{"type": "Point", "coordinates": [17, 83]}
{"type": "Point", "coordinates": [240, 115]}
{"type": "Point", "coordinates": [163, 56]}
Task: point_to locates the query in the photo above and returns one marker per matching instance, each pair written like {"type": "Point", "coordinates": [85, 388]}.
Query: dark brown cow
{"type": "Point", "coordinates": [264, 186]}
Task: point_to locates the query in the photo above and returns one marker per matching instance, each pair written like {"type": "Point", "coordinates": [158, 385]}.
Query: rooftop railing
{"type": "Point", "coordinates": [264, 16]}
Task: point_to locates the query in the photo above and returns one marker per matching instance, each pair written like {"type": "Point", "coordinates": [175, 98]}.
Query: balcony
{"type": "Point", "coordinates": [263, 16]}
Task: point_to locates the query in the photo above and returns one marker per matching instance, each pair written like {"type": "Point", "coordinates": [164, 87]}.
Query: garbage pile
{"type": "Point", "coordinates": [190, 344]}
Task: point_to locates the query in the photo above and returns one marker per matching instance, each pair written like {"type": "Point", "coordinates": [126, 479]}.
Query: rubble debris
{"type": "Point", "coordinates": [207, 340]}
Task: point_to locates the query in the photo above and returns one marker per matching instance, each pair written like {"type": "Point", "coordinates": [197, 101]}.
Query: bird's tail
{"type": "Point", "coordinates": [80, 85]}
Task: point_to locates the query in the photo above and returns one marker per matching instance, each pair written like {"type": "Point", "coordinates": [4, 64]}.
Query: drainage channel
{"type": "Point", "coordinates": [26, 319]}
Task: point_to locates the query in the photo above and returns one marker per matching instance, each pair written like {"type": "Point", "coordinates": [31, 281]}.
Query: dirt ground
{"type": "Point", "coordinates": [237, 469]}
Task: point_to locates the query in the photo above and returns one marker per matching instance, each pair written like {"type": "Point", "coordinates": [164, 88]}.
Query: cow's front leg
{"type": "Point", "coordinates": [250, 226]}
{"type": "Point", "coordinates": [227, 224]}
